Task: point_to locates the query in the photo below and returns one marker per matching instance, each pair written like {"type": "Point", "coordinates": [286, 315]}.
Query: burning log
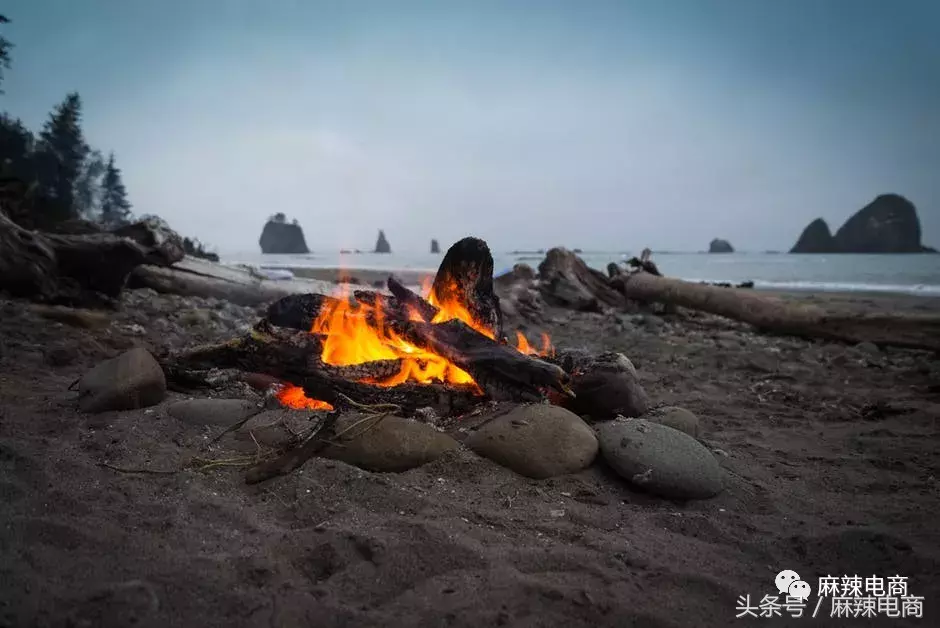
{"type": "Point", "coordinates": [774, 315]}
{"type": "Point", "coordinates": [81, 270]}
{"type": "Point", "coordinates": [299, 311]}
{"type": "Point", "coordinates": [465, 277]}
{"type": "Point", "coordinates": [295, 357]}
{"type": "Point", "coordinates": [503, 372]}
{"type": "Point", "coordinates": [409, 299]}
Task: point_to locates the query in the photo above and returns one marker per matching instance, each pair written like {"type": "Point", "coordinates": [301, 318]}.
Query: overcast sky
{"type": "Point", "coordinates": [602, 125]}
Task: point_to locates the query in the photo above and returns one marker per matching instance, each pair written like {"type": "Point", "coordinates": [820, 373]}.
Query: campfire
{"type": "Point", "coordinates": [444, 348]}
{"type": "Point", "coordinates": [356, 333]}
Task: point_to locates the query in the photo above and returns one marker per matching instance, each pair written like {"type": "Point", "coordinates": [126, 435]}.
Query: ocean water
{"type": "Point", "coordinates": [907, 274]}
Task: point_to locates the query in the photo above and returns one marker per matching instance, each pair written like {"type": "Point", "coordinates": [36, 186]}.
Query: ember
{"type": "Point", "coordinates": [293, 397]}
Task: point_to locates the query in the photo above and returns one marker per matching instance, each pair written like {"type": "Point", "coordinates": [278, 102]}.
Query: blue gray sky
{"type": "Point", "coordinates": [602, 125]}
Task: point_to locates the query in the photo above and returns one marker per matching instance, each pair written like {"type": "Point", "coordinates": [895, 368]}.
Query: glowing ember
{"type": "Point", "coordinates": [294, 397]}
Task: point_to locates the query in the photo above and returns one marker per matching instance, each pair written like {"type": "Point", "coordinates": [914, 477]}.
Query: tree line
{"type": "Point", "coordinates": [55, 176]}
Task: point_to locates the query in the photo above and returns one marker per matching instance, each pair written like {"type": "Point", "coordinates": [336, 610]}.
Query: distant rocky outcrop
{"type": "Point", "coordinates": [382, 245]}
{"type": "Point", "coordinates": [889, 224]}
{"type": "Point", "coordinates": [720, 246]}
{"type": "Point", "coordinates": [281, 237]}
{"type": "Point", "coordinates": [816, 238]}
{"type": "Point", "coordinates": [435, 247]}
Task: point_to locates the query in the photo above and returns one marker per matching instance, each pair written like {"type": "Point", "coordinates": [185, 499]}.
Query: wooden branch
{"type": "Point", "coordinates": [445, 399]}
{"type": "Point", "coordinates": [80, 270]}
{"type": "Point", "coordinates": [296, 457]}
{"type": "Point", "coordinates": [775, 315]}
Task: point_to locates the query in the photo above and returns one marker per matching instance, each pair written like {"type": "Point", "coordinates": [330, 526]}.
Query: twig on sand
{"type": "Point", "coordinates": [375, 408]}
{"type": "Point", "coordinates": [237, 424]}
{"type": "Point", "coordinates": [318, 440]}
{"type": "Point", "coordinates": [141, 470]}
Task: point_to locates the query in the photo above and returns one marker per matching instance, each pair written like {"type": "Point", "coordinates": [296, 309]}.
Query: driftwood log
{"type": "Point", "coordinates": [566, 281]}
{"type": "Point", "coordinates": [86, 270]}
{"type": "Point", "coordinates": [194, 277]}
{"type": "Point", "coordinates": [774, 315]}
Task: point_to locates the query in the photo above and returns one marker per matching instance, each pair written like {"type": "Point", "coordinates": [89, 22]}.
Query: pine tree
{"type": "Point", "coordinates": [5, 47]}
{"type": "Point", "coordinates": [61, 155]}
{"type": "Point", "coordinates": [87, 190]}
{"type": "Point", "coordinates": [115, 208]}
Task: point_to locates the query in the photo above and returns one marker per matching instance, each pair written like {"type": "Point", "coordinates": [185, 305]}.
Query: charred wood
{"type": "Point", "coordinates": [500, 370]}
{"type": "Point", "coordinates": [409, 299]}
{"type": "Point", "coordinates": [466, 276]}
{"type": "Point", "coordinates": [295, 356]}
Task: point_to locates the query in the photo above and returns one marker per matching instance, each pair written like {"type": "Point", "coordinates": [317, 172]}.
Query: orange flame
{"type": "Point", "coordinates": [522, 344]}
{"type": "Point", "coordinates": [294, 397]}
{"type": "Point", "coordinates": [356, 333]}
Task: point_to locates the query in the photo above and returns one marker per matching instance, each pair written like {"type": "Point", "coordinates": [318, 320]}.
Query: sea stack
{"type": "Point", "coordinates": [282, 238]}
{"type": "Point", "coordinates": [435, 247]}
{"type": "Point", "coordinates": [382, 245]}
{"type": "Point", "coordinates": [816, 238]}
{"type": "Point", "coordinates": [720, 246]}
{"type": "Point", "coordinates": [888, 224]}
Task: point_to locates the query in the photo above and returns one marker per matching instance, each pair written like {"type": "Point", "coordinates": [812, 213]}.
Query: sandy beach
{"type": "Point", "coordinates": [830, 453]}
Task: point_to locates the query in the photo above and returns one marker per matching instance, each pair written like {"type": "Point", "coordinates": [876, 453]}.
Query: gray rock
{"type": "Point", "coordinates": [676, 418]}
{"type": "Point", "coordinates": [606, 387]}
{"type": "Point", "coordinates": [388, 443]}
{"type": "Point", "coordinates": [659, 459]}
{"type": "Point", "coordinates": [223, 412]}
{"type": "Point", "coordinates": [538, 441]}
{"type": "Point", "coordinates": [132, 380]}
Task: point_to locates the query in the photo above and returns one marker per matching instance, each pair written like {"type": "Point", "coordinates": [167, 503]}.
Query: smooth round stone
{"type": "Point", "coordinates": [606, 387]}
{"type": "Point", "coordinates": [132, 380]}
{"type": "Point", "coordinates": [222, 412]}
{"type": "Point", "coordinates": [538, 441]}
{"type": "Point", "coordinates": [387, 444]}
{"type": "Point", "coordinates": [676, 418]}
{"type": "Point", "coordinates": [659, 459]}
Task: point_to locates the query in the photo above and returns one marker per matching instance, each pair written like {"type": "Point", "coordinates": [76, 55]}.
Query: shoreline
{"type": "Point", "coordinates": [376, 277]}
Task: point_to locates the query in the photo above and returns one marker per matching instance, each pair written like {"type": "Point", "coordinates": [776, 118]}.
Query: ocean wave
{"type": "Point", "coordinates": [838, 286]}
